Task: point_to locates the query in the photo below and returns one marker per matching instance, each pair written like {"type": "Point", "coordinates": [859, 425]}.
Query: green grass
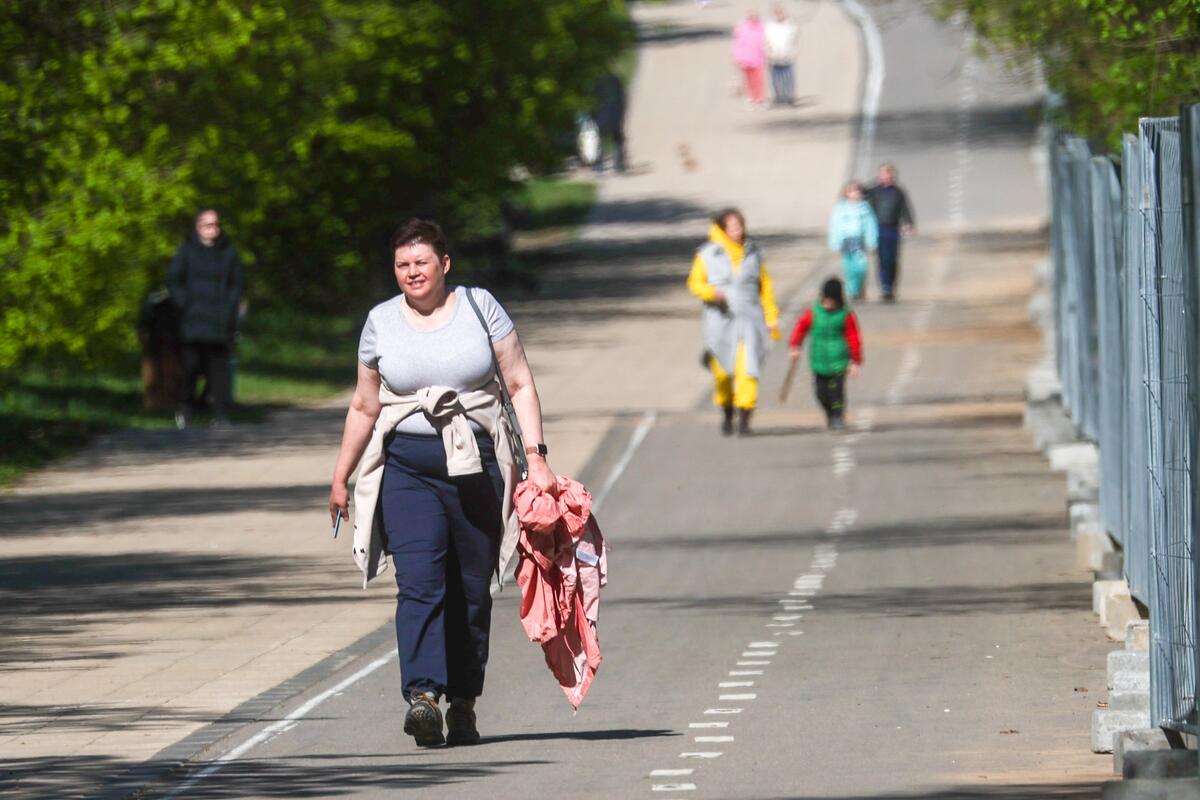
{"type": "Point", "coordinates": [284, 357]}
{"type": "Point", "coordinates": [554, 202]}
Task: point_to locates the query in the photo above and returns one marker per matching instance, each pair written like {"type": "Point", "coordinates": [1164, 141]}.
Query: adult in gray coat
{"type": "Point", "coordinates": [205, 282]}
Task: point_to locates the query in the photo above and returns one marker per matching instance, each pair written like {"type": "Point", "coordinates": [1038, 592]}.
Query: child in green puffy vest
{"type": "Point", "coordinates": [835, 349]}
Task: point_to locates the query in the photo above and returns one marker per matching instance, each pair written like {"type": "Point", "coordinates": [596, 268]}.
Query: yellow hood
{"type": "Point", "coordinates": [736, 251]}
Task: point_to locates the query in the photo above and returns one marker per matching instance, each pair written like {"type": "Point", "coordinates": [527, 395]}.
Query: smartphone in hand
{"type": "Point", "coordinates": [337, 523]}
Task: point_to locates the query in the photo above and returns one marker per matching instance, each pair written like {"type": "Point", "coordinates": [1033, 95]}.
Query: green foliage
{"type": "Point", "coordinates": [313, 125]}
{"type": "Point", "coordinates": [1111, 61]}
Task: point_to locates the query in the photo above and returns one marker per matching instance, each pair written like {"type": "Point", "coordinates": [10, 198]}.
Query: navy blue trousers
{"type": "Point", "coordinates": [444, 536]}
{"type": "Point", "coordinates": [889, 258]}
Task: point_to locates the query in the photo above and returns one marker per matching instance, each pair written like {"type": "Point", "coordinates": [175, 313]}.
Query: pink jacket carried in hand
{"type": "Point", "coordinates": [750, 44]}
{"type": "Point", "coordinates": [563, 563]}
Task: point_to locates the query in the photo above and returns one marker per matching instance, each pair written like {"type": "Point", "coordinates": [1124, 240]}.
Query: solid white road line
{"type": "Point", "coordinates": [707, 754]}
{"type": "Point", "coordinates": [742, 696]}
{"type": "Point", "coordinates": [763, 644]}
{"type": "Point", "coordinates": [872, 86]}
{"type": "Point", "coordinates": [708, 725]}
{"type": "Point", "coordinates": [712, 739]}
{"type": "Point", "coordinates": [673, 787]}
{"type": "Point", "coordinates": [670, 773]}
{"type": "Point", "coordinates": [735, 672]}
{"type": "Point", "coordinates": [722, 711]}
{"type": "Point", "coordinates": [635, 441]}
{"type": "Point", "coordinates": [734, 684]}
{"type": "Point", "coordinates": [752, 664]}
{"type": "Point", "coordinates": [277, 727]}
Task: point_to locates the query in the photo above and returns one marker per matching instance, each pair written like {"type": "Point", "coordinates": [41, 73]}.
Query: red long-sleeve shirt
{"type": "Point", "coordinates": [853, 338]}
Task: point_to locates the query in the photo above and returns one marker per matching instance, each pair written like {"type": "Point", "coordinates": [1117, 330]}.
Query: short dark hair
{"type": "Point", "coordinates": [832, 290]}
{"type": "Point", "coordinates": [204, 210]}
{"type": "Point", "coordinates": [420, 231]}
{"type": "Point", "coordinates": [725, 213]}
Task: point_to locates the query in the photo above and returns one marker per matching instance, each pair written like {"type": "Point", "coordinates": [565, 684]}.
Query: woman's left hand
{"type": "Point", "coordinates": [775, 334]}
{"type": "Point", "coordinates": [542, 476]}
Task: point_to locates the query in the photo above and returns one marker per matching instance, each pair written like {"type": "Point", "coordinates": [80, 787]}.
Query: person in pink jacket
{"type": "Point", "coordinates": [750, 54]}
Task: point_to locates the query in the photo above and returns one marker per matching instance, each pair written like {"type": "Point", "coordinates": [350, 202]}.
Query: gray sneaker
{"type": "Point", "coordinates": [460, 723]}
{"type": "Point", "coordinates": [423, 721]}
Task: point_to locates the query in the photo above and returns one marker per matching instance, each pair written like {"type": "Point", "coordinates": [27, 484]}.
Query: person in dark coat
{"type": "Point", "coordinates": [895, 215]}
{"type": "Point", "coordinates": [205, 281]}
{"type": "Point", "coordinates": [610, 117]}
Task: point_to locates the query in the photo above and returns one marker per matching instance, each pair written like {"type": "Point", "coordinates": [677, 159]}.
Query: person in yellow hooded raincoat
{"type": "Point", "coordinates": [729, 275]}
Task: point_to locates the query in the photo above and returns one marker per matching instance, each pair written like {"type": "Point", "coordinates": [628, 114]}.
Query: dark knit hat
{"type": "Point", "coordinates": [832, 290]}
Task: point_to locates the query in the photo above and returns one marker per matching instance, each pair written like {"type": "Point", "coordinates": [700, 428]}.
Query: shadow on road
{"type": "Point", "coordinates": [930, 127]}
{"type": "Point", "coordinates": [59, 595]}
{"type": "Point", "coordinates": [613, 735]}
{"type": "Point", "coordinates": [330, 775]}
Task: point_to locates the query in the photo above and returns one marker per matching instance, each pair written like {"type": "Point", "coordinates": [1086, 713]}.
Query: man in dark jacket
{"type": "Point", "coordinates": [205, 281]}
{"type": "Point", "coordinates": [610, 117]}
{"type": "Point", "coordinates": [895, 216]}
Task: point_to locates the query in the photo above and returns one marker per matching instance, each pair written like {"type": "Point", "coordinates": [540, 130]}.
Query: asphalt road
{"type": "Point", "coordinates": [889, 612]}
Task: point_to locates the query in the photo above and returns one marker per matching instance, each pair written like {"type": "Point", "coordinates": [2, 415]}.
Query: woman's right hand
{"type": "Point", "coordinates": [339, 501]}
{"type": "Point", "coordinates": [718, 297]}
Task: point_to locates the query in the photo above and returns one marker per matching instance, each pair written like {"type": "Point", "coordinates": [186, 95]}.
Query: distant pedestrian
{"type": "Point", "coordinates": [781, 45]}
{"type": "Point", "coordinates": [205, 281]}
{"type": "Point", "coordinates": [437, 474]}
{"type": "Point", "coordinates": [854, 233]}
{"type": "Point", "coordinates": [750, 55]}
{"type": "Point", "coordinates": [834, 350]}
{"type": "Point", "coordinates": [729, 275]}
{"type": "Point", "coordinates": [894, 212]}
{"type": "Point", "coordinates": [610, 118]}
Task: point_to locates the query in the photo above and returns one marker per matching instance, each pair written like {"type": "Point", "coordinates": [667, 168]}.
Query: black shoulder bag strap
{"type": "Point", "coordinates": [505, 398]}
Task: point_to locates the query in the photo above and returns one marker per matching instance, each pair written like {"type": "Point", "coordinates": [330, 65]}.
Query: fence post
{"type": "Point", "coordinates": [1189, 119]}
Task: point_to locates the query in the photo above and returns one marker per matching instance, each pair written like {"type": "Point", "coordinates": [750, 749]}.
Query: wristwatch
{"type": "Point", "coordinates": [537, 449]}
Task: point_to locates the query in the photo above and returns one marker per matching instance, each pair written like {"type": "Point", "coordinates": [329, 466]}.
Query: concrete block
{"type": "Point", "coordinates": [1112, 566]}
{"type": "Point", "coordinates": [1040, 309]}
{"type": "Point", "coordinates": [1082, 514]}
{"type": "Point", "coordinates": [1083, 483]}
{"type": "Point", "coordinates": [1158, 761]}
{"type": "Point", "coordinates": [1100, 589]}
{"type": "Point", "coordinates": [1107, 723]}
{"type": "Point", "coordinates": [1128, 743]}
{"type": "Point", "coordinates": [1131, 681]}
{"type": "Point", "coordinates": [1118, 612]}
{"type": "Point", "coordinates": [1042, 386]}
{"type": "Point", "coordinates": [1049, 424]}
{"type": "Point", "coordinates": [1137, 636]}
{"type": "Point", "coordinates": [1119, 661]}
{"type": "Point", "coordinates": [1150, 789]}
{"type": "Point", "coordinates": [1091, 544]}
{"type": "Point", "coordinates": [1083, 455]}
{"type": "Point", "coordinates": [1129, 701]}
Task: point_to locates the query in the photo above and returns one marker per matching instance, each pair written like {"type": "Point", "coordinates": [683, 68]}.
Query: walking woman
{"type": "Point", "coordinates": [853, 231]}
{"type": "Point", "coordinates": [435, 484]}
{"type": "Point", "coordinates": [750, 55]}
{"type": "Point", "coordinates": [729, 275]}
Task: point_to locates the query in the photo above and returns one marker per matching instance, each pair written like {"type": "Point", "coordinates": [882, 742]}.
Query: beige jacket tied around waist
{"type": "Point", "coordinates": [452, 413]}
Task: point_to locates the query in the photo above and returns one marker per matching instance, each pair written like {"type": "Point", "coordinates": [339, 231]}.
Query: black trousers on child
{"type": "Point", "coordinates": [831, 394]}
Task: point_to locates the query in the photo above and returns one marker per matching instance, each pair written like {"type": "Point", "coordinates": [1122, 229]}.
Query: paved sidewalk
{"type": "Point", "coordinates": [161, 579]}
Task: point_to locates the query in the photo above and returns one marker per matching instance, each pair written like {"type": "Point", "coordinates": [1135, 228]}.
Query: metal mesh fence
{"type": "Point", "coordinates": [1189, 121]}
{"type": "Point", "coordinates": [1135, 478]}
{"type": "Point", "coordinates": [1109, 275]}
{"type": "Point", "coordinates": [1127, 344]}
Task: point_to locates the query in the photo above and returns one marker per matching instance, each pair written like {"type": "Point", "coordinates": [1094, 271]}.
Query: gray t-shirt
{"type": "Point", "coordinates": [457, 354]}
